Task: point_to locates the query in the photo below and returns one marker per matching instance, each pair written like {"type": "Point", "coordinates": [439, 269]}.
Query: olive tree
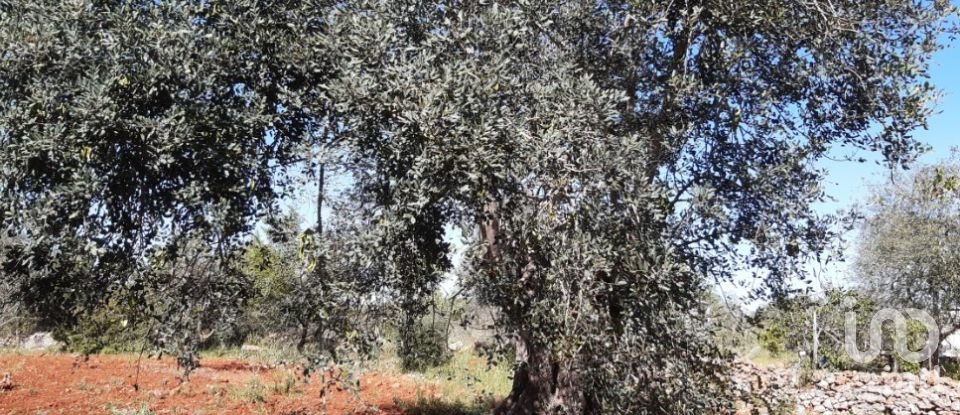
{"type": "Point", "coordinates": [615, 157]}
{"type": "Point", "coordinates": [909, 248]}
{"type": "Point", "coordinates": [335, 317]}
{"type": "Point", "coordinates": [612, 158]}
{"type": "Point", "coordinates": [139, 139]}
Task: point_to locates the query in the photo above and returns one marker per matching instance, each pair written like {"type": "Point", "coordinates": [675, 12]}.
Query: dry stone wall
{"type": "Point", "coordinates": [888, 393]}
{"type": "Point", "coordinates": [775, 391]}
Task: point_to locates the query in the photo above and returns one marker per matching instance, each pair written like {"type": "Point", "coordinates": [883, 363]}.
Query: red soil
{"type": "Point", "coordinates": [64, 384]}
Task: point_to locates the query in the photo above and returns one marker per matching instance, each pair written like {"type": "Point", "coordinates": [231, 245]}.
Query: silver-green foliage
{"type": "Point", "coordinates": [141, 140]}
{"type": "Point", "coordinates": [613, 157]}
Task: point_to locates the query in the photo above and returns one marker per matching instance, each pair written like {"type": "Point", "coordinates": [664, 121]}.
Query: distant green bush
{"type": "Point", "coordinates": [423, 345]}
{"type": "Point", "coordinates": [950, 367]}
{"type": "Point", "coordinates": [106, 331]}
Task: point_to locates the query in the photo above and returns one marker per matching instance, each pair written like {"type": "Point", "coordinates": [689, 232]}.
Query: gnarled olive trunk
{"type": "Point", "coordinates": [544, 385]}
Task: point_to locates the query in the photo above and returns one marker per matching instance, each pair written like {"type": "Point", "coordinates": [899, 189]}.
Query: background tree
{"type": "Point", "coordinates": [139, 137]}
{"type": "Point", "coordinates": [909, 247]}
{"type": "Point", "coordinates": [323, 318]}
{"type": "Point", "coordinates": [273, 266]}
{"type": "Point", "coordinates": [786, 325]}
{"type": "Point", "coordinates": [729, 325]}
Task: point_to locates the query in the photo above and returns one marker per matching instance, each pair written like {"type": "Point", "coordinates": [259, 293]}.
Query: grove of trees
{"type": "Point", "coordinates": [906, 258]}
{"type": "Point", "coordinates": [609, 160]}
{"type": "Point", "coordinates": [909, 250]}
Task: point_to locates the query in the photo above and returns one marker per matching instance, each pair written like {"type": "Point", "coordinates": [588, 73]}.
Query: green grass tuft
{"type": "Point", "coordinates": [466, 385]}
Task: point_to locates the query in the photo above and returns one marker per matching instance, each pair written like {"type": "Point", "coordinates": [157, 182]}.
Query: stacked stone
{"type": "Point", "coordinates": [764, 390]}
{"type": "Point", "coordinates": [774, 390]}
{"type": "Point", "coordinates": [888, 393]}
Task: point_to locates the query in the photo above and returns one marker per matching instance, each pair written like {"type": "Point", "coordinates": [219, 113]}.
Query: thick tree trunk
{"type": "Point", "coordinates": [542, 385]}
{"type": "Point", "coordinates": [532, 384]}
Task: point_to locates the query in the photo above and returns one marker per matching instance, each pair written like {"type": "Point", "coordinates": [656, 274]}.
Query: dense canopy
{"type": "Point", "coordinates": [609, 158]}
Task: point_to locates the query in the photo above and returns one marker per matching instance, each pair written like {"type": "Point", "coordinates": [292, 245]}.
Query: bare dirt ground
{"type": "Point", "coordinates": [64, 384]}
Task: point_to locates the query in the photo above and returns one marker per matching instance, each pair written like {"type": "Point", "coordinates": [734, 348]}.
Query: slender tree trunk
{"type": "Point", "coordinates": [934, 365]}
{"type": "Point", "coordinates": [321, 268]}
{"type": "Point", "coordinates": [304, 329]}
{"type": "Point", "coordinates": [319, 271]}
{"type": "Point", "coordinates": [320, 183]}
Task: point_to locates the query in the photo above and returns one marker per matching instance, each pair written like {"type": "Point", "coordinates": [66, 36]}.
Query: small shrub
{"type": "Point", "coordinates": [83, 386]}
{"type": "Point", "coordinates": [807, 374]}
{"type": "Point", "coordinates": [253, 391]}
{"type": "Point", "coordinates": [423, 346]}
{"type": "Point", "coordinates": [284, 384]}
{"type": "Point", "coordinates": [105, 331]}
{"type": "Point", "coordinates": [950, 367]}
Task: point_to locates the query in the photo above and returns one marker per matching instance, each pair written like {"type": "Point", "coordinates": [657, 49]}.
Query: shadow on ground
{"type": "Point", "coordinates": [437, 406]}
